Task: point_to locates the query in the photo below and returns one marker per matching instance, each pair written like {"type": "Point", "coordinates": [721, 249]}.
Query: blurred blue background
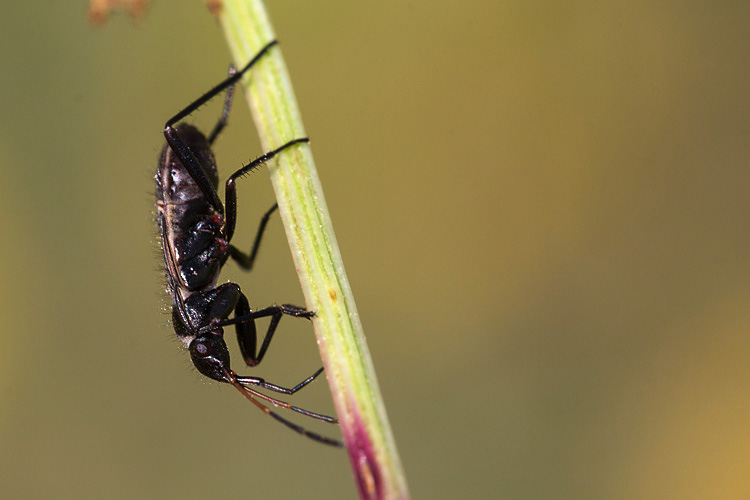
{"type": "Point", "coordinates": [543, 210]}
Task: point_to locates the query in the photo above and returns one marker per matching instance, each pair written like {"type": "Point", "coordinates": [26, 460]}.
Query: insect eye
{"type": "Point", "coordinates": [202, 349]}
{"type": "Point", "coordinates": [210, 356]}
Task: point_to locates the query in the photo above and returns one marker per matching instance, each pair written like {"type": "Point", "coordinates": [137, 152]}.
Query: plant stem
{"type": "Point", "coordinates": [351, 375]}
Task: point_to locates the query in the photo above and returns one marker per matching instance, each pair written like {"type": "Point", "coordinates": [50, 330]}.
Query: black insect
{"type": "Point", "coordinates": [196, 233]}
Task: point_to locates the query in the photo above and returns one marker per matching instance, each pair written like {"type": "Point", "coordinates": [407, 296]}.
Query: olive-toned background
{"type": "Point", "coordinates": [543, 210]}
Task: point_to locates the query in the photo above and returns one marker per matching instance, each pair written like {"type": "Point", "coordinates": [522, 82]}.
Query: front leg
{"type": "Point", "coordinates": [244, 321]}
{"type": "Point", "coordinates": [247, 335]}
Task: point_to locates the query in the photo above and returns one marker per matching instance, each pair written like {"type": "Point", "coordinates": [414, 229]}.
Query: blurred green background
{"type": "Point", "coordinates": [543, 209]}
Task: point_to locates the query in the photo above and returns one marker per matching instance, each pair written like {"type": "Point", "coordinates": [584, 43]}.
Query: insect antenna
{"type": "Point", "coordinates": [249, 393]}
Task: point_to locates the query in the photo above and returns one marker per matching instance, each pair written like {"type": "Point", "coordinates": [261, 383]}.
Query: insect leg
{"type": "Point", "coordinates": [248, 342]}
{"type": "Point", "coordinates": [244, 321]}
{"type": "Point", "coordinates": [225, 110]}
{"type": "Point", "coordinates": [245, 261]}
{"type": "Point", "coordinates": [230, 219]}
{"type": "Point", "coordinates": [246, 333]}
{"type": "Point", "coordinates": [218, 88]}
{"type": "Point", "coordinates": [183, 152]}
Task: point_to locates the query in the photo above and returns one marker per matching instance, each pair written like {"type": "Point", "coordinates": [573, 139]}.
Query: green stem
{"type": "Point", "coordinates": [351, 375]}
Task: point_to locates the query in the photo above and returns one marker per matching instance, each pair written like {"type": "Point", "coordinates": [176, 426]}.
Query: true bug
{"type": "Point", "coordinates": [196, 232]}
